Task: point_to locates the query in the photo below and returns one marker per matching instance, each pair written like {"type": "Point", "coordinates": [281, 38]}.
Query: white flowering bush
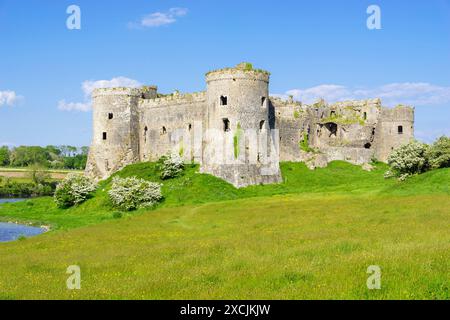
{"type": "Point", "coordinates": [133, 193]}
{"type": "Point", "coordinates": [409, 159]}
{"type": "Point", "coordinates": [170, 166]}
{"type": "Point", "coordinates": [73, 190]}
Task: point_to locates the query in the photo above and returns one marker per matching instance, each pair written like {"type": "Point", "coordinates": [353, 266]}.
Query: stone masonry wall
{"type": "Point", "coordinates": [170, 124]}
{"type": "Point", "coordinates": [235, 131]}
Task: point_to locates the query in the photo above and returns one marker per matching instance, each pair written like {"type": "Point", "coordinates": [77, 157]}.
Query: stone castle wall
{"type": "Point", "coordinates": [354, 131]}
{"type": "Point", "coordinates": [171, 123]}
{"type": "Point", "coordinates": [235, 131]}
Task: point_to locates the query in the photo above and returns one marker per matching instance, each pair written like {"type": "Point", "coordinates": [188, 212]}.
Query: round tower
{"type": "Point", "coordinates": [115, 141]}
{"type": "Point", "coordinates": [238, 145]}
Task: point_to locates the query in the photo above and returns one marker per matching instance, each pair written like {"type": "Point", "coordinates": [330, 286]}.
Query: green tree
{"type": "Point", "coordinates": [24, 156]}
{"type": "Point", "coordinates": [84, 150]}
{"type": "Point", "coordinates": [4, 156]}
{"type": "Point", "coordinates": [439, 153]}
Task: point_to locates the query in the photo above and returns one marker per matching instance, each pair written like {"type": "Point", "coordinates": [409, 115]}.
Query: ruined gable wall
{"type": "Point", "coordinates": [339, 131]}
{"type": "Point", "coordinates": [290, 121]}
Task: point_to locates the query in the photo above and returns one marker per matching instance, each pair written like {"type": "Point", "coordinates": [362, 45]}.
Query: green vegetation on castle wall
{"type": "Point", "coordinates": [237, 140]}
{"type": "Point", "coordinates": [304, 144]}
{"type": "Point", "coordinates": [244, 66]}
{"type": "Point", "coordinates": [354, 118]}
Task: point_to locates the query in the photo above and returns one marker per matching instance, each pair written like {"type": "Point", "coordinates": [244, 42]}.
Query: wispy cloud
{"type": "Point", "coordinates": [409, 93]}
{"type": "Point", "coordinates": [9, 98]}
{"type": "Point", "coordinates": [89, 85]}
{"type": "Point", "coordinates": [157, 19]}
{"type": "Point", "coordinates": [74, 106]}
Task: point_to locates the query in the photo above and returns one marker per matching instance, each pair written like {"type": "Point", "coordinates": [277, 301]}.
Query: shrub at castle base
{"type": "Point", "coordinates": [170, 166]}
{"type": "Point", "coordinates": [73, 190]}
{"type": "Point", "coordinates": [409, 159]}
{"type": "Point", "coordinates": [133, 193]}
{"type": "Point", "coordinates": [416, 157]}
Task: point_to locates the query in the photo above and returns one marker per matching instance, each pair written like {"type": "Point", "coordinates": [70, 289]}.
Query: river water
{"type": "Point", "coordinates": [12, 231]}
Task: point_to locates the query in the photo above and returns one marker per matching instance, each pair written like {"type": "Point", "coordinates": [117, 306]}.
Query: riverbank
{"type": "Point", "coordinates": [46, 228]}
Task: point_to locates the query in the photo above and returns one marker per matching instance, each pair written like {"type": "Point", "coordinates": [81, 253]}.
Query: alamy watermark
{"type": "Point", "coordinates": [374, 280]}
{"type": "Point", "coordinates": [250, 146]}
{"type": "Point", "coordinates": [73, 22]}
{"type": "Point", "coordinates": [374, 20]}
{"type": "Point", "coordinates": [73, 282]}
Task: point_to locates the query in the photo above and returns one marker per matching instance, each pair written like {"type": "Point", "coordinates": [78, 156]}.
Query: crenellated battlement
{"type": "Point", "coordinates": [136, 92]}
{"type": "Point", "coordinates": [174, 99]}
{"type": "Point", "coordinates": [400, 112]}
{"type": "Point", "coordinates": [243, 71]}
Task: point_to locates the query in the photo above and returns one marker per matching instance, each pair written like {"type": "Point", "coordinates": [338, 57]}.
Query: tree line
{"type": "Point", "coordinates": [52, 157]}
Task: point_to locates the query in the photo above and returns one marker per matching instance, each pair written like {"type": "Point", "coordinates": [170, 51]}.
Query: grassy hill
{"type": "Point", "coordinates": [313, 236]}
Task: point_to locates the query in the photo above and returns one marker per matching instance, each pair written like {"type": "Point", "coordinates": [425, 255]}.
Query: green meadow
{"type": "Point", "coordinates": [311, 237]}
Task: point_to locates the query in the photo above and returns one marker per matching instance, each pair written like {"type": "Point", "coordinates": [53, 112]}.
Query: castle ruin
{"type": "Point", "coordinates": [236, 131]}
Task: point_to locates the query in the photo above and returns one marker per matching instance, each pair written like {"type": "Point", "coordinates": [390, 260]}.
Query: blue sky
{"type": "Point", "coordinates": [312, 48]}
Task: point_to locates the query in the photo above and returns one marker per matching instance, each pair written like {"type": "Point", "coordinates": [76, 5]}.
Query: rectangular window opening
{"type": "Point", "coordinates": [400, 129]}
{"type": "Point", "coordinates": [110, 116]}
{"type": "Point", "coordinates": [226, 125]}
{"type": "Point", "coordinates": [104, 136]}
{"type": "Point", "coordinates": [223, 100]}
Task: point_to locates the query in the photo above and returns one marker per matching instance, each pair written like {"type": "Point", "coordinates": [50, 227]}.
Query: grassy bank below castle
{"type": "Point", "coordinates": [193, 188]}
{"type": "Point", "coordinates": [312, 236]}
